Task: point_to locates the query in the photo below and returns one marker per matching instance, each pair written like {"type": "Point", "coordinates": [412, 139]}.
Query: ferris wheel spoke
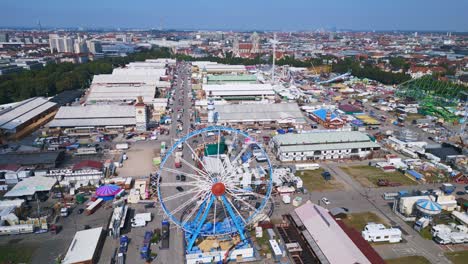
{"type": "Point", "coordinates": [239, 191]}
{"type": "Point", "coordinates": [214, 216]}
{"type": "Point", "coordinates": [183, 205]}
{"type": "Point", "coordinates": [230, 204]}
{"type": "Point", "coordinates": [193, 183]}
{"type": "Point", "coordinates": [190, 175]}
{"type": "Point", "coordinates": [233, 163]}
{"type": "Point", "coordinates": [197, 158]}
{"type": "Point", "coordinates": [202, 173]}
{"type": "Point", "coordinates": [196, 208]}
{"type": "Point", "coordinates": [217, 153]}
{"type": "Point", "coordinates": [182, 194]}
{"type": "Point", "coordinates": [242, 200]}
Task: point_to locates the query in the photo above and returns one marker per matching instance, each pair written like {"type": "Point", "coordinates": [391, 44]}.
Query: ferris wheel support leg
{"type": "Point", "coordinates": [237, 223]}
{"type": "Point", "coordinates": [195, 234]}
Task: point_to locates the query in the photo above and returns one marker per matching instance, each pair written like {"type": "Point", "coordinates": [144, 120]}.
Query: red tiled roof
{"type": "Point", "coordinates": [88, 164]}
{"type": "Point", "coordinates": [10, 167]}
{"type": "Point", "coordinates": [245, 46]}
{"type": "Point", "coordinates": [362, 244]}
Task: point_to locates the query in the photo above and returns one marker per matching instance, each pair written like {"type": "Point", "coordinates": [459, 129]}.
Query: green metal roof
{"type": "Point", "coordinates": [232, 78]}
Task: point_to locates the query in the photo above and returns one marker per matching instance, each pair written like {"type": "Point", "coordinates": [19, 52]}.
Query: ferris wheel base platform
{"type": "Point", "coordinates": [217, 256]}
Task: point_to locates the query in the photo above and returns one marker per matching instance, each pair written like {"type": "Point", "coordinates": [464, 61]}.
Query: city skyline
{"type": "Point", "coordinates": [241, 15]}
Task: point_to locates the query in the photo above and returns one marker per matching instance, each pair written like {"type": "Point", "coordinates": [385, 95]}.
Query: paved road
{"type": "Point", "coordinates": [175, 254]}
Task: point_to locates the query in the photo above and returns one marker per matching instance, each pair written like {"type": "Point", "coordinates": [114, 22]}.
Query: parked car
{"type": "Point", "coordinates": [80, 211]}
{"type": "Point", "coordinates": [325, 201]}
{"type": "Point", "coordinates": [183, 177]}
{"type": "Point", "coordinates": [460, 193]}
{"type": "Point", "coordinates": [180, 189]}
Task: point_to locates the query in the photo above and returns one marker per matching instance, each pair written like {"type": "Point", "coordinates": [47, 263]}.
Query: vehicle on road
{"type": "Point", "coordinates": [460, 193]}
{"type": "Point", "coordinates": [177, 177]}
{"type": "Point", "coordinates": [180, 189]}
{"type": "Point", "coordinates": [183, 177]}
{"type": "Point", "coordinates": [138, 223]}
{"type": "Point", "coordinates": [325, 200]}
{"type": "Point", "coordinates": [80, 211]}
{"type": "Point", "coordinates": [164, 235]}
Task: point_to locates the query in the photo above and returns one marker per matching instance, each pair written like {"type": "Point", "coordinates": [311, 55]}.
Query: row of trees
{"type": "Point", "coordinates": [55, 78]}
{"type": "Point", "coordinates": [367, 70]}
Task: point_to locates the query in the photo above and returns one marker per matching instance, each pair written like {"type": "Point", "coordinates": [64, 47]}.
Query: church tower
{"type": "Point", "coordinates": [255, 43]}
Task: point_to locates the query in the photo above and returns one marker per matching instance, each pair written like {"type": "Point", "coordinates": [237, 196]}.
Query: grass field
{"type": "Point", "coordinates": [408, 260]}
{"type": "Point", "coordinates": [17, 254]}
{"type": "Point", "coordinates": [313, 181]}
{"type": "Point", "coordinates": [368, 176]}
{"type": "Point", "coordinates": [458, 257]}
{"type": "Point", "coordinates": [359, 220]}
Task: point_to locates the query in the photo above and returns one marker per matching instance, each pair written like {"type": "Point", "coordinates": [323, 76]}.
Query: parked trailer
{"type": "Point", "coordinates": [390, 195]}
{"type": "Point", "coordinates": [165, 235]}
{"type": "Point", "coordinates": [307, 166]}
{"type": "Point", "coordinates": [121, 146]}
{"type": "Point", "coordinates": [16, 229]}
{"type": "Point", "coordinates": [94, 206]}
{"type": "Point", "coordinates": [145, 248]}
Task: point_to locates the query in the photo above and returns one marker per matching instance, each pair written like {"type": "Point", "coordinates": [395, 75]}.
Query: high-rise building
{"type": "Point", "coordinates": [94, 46]}
{"type": "Point", "coordinates": [53, 42]}
{"type": "Point", "coordinates": [4, 37]}
{"type": "Point", "coordinates": [69, 43]}
{"type": "Point", "coordinates": [61, 44]}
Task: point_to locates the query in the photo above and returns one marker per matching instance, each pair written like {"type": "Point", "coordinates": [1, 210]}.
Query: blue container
{"type": "Point", "coordinates": [281, 131]}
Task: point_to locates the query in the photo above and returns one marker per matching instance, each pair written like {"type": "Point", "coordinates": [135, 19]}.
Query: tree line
{"type": "Point", "coordinates": [58, 77]}
{"type": "Point", "coordinates": [367, 70]}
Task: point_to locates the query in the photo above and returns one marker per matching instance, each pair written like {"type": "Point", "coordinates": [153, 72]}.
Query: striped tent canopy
{"type": "Point", "coordinates": [107, 190]}
{"type": "Point", "coordinates": [428, 207]}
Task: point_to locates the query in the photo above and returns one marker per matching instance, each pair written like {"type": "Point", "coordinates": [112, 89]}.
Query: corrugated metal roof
{"type": "Point", "coordinates": [96, 122]}
{"type": "Point", "coordinates": [95, 111]}
{"type": "Point", "coordinates": [124, 78]}
{"type": "Point", "coordinates": [83, 246]}
{"type": "Point", "coordinates": [238, 87]}
{"type": "Point", "coordinates": [321, 138]}
{"type": "Point", "coordinates": [121, 93]}
{"type": "Point", "coordinates": [24, 111]}
{"type": "Point", "coordinates": [305, 148]}
{"type": "Point", "coordinates": [230, 78]}
{"type": "Point", "coordinates": [259, 112]}
{"type": "Point", "coordinates": [29, 186]}
{"type": "Point", "coordinates": [332, 241]}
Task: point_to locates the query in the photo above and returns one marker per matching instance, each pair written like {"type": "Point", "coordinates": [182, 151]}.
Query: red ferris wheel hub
{"type": "Point", "coordinates": [218, 189]}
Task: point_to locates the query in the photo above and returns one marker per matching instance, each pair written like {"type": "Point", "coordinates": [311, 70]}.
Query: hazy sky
{"type": "Point", "coordinates": [240, 14]}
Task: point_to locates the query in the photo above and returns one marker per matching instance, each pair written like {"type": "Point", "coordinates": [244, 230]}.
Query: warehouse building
{"type": "Point", "coordinates": [323, 145]}
{"type": "Point", "coordinates": [21, 118]}
{"type": "Point", "coordinates": [260, 115]}
{"type": "Point", "coordinates": [126, 84]}
{"type": "Point", "coordinates": [330, 241]}
{"type": "Point", "coordinates": [33, 160]}
{"type": "Point", "coordinates": [240, 92]}
{"type": "Point", "coordinates": [31, 187]}
{"type": "Point", "coordinates": [223, 69]}
{"type": "Point", "coordinates": [84, 247]}
{"type": "Point", "coordinates": [231, 78]}
{"type": "Point", "coordinates": [85, 120]}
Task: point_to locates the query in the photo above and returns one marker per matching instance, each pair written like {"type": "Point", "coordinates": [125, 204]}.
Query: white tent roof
{"type": "Point", "coordinates": [30, 186]}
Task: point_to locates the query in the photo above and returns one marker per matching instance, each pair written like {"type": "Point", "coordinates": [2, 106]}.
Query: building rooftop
{"type": "Point", "coordinates": [332, 241]}
{"type": "Point", "coordinates": [31, 158]}
{"type": "Point", "coordinates": [24, 111]}
{"type": "Point", "coordinates": [122, 93]}
{"type": "Point", "coordinates": [282, 113]}
{"type": "Point", "coordinates": [322, 114]}
{"type": "Point", "coordinates": [323, 146]}
{"type": "Point", "coordinates": [232, 78]}
{"type": "Point", "coordinates": [83, 246]}
{"type": "Point", "coordinates": [323, 137]}
{"type": "Point", "coordinates": [116, 79]}
{"type": "Point", "coordinates": [29, 186]}
{"type": "Point", "coordinates": [94, 115]}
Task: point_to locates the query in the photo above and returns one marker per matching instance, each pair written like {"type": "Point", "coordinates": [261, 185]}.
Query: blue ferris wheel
{"type": "Point", "coordinates": [214, 182]}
